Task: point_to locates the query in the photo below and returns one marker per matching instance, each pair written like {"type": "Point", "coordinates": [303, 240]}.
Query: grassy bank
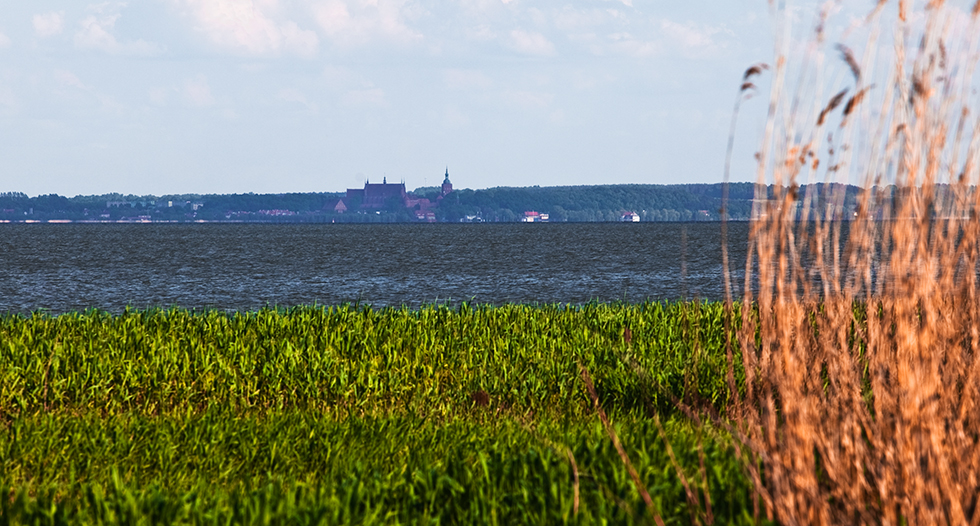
{"type": "Point", "coordinates": [353, 415]}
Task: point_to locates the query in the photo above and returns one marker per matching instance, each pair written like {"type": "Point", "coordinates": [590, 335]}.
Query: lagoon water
{"type": "Point", "coordinates": [67, 267]}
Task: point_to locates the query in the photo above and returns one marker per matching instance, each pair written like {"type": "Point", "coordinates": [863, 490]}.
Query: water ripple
{"type": "Point", "coordinates": [245, 267]}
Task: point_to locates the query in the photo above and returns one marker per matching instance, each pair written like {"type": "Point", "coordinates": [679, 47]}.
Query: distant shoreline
{"type": "Point", "coordinates": [244, 222]}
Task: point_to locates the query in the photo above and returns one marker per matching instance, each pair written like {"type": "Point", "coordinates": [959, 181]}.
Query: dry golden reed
{"type": "Point", "coordinates": [862, 349]}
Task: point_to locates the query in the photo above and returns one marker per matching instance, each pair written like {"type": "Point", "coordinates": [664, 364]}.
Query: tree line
{"type": "Point", "coordinates": [677, 202]}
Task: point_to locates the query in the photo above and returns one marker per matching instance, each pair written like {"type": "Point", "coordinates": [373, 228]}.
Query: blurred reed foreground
{"type": "Point", "coordinates": [862, 367]}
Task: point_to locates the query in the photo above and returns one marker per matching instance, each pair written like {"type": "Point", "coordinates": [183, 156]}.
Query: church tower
{"type": "Point", "coordinates": [447, 186]}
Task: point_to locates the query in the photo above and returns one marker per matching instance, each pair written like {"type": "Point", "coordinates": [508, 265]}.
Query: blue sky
{"type": "Point", "coordinates": [202, 96]}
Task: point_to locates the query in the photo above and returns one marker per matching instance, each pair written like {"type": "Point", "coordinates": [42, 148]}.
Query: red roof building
{"type": "Point", "coordinates": [335, 205]}
{"type": "Point", "coordinates": [377, 195]}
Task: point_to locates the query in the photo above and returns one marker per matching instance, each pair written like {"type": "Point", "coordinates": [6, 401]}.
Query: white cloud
{"type": "Point", "coordinates": [299, 41]}
{"type": "Point", "coordinates": [81, 92]}
{"type": "Point", "coordinates": [351, 88]}
{"type": "Point", "coordinates": [95, 32]}
{"type": "Point", "coordinates": [49, 24]}
{"type": "Point", "coordinates": [68, 78]}
{"type": "Point", "coordinates": [454, 118]}
{"type": "Point", "coordinates": [687, 35]}
{"type": "Point", "coordinates": [528, 99]}
{"type": "Point", "coordinates": [628, 44]}
{"type": "Point", "coordinates": [197, 91]}
{"type": "Point", "coordinates": [8, 100]}
{"type": "Point", "coordinates": [466, 79]}
{"type": "Point", "coordinates": [296, 96]}
{"type": "Point", "coordinates": [254, 67]}
{"type": "Point", "coordinates": [530, 43]}
{"type": "Point", "coordinates": [692, 40]}
{"type": "Point", "coordinates": [577, 20]}
{"type": "Point", "coordinates": [627, 3]}
{"type": "Point", "coordinates": [4, 41]}
{"type": "Point", "coordinates": [625, 31]}
{"type": "Point", "coordinates": [159, 95]}
{"type": "Point", "coordinates": [339, 77]}
{"type": "Point", "coordinates": [357, 22]}
{"type": "Point", "coordinates": [193, 91]}
{"type": "Point", "coordinates": [481, 33]}
{"type": "Point", "coordinates": [248, 26]}
{"type": "Point", "coordinates": [589, 79]}
{"type": "Point", "coordinates": [366, 97]}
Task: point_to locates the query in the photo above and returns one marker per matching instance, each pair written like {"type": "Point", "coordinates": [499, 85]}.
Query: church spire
{"type": "Point", "coordinates": [447, 186]}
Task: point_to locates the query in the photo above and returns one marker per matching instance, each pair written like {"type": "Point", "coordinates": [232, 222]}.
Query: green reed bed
{"type": "Point", "coordinates": [355, 415]}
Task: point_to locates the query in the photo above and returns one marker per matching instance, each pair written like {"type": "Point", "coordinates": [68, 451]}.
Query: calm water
{"type": "Point", "coordinates": [245, 267]}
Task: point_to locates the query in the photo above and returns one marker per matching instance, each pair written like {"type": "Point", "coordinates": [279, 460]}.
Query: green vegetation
{"type": "Point", "coordinates": [355, 415]}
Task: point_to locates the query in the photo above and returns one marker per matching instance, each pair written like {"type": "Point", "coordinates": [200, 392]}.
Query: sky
{"type": "Point", "coordinates": [272, 96]}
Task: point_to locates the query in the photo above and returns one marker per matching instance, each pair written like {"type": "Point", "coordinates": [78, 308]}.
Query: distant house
{"type": "Point", "coordinates": [183, 204]}
{"type": "Point", "coordinates": [630, 217]}
{"type": "Point", "coordinates": [534, 217]}
{"type": "Point", "coordinates": [335, 205]}
{"type": "Point", "coordinates": [277, 212]}
{"type": "Point", "coordinates": [132, 204]}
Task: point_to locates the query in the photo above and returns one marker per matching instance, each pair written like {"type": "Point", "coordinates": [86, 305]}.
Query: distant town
{"type": "Point", "coordinates": [389, 202]}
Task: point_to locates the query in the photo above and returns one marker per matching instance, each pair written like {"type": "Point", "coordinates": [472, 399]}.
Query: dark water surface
{"type": "Point", "coordinates": [68, 267]}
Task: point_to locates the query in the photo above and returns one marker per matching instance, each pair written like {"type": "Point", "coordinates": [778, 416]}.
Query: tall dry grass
{"type": "Point", "coordinates": [862, 357]}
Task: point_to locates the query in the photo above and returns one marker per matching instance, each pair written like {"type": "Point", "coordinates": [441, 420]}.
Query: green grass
{"type": "Point", "coordinates": [354, 415]}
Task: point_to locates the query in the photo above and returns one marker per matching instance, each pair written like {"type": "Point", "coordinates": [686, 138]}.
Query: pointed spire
{"type": "Point", "coordinates": [447, 186]}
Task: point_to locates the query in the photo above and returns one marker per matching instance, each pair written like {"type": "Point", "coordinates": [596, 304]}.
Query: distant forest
{"type": "Point", "coordinates": [679, 202]}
